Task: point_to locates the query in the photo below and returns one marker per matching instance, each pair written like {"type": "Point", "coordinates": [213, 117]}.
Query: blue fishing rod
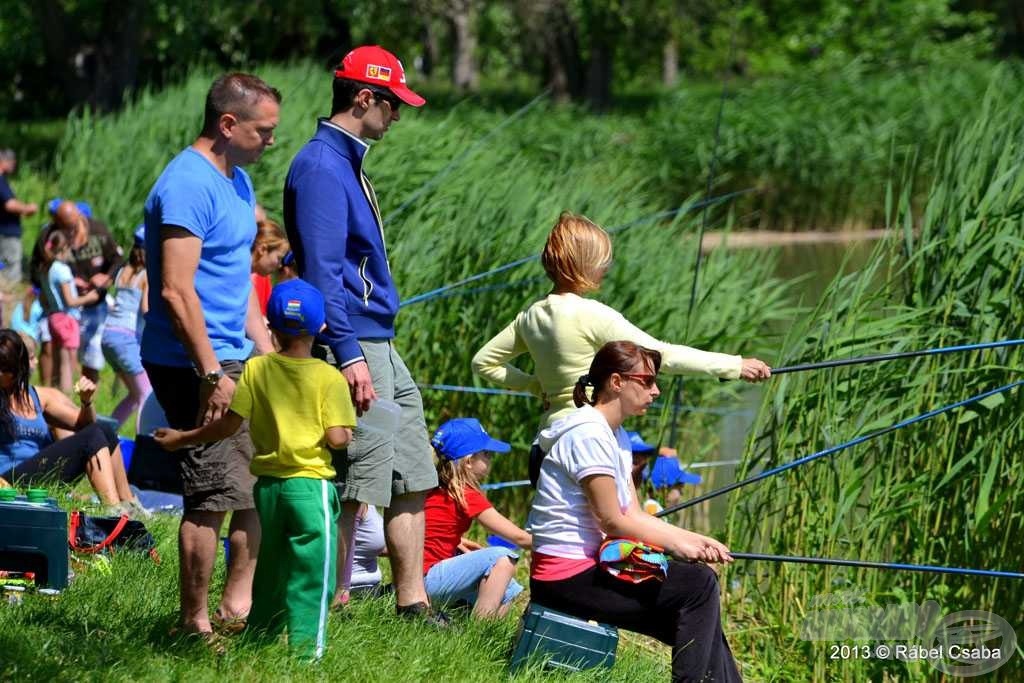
{"type": "Point", "coordinates": [434, 293]}
{"type": "Point", "coordinates": [835, 449]}
{"type": "Point", "coordinates": [897, 356]}
{"type": "Point", "coordinates": [936, 569]}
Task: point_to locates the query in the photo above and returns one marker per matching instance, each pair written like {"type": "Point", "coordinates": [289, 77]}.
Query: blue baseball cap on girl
{"type": "Point", "coordinates": [296, 308]}
{"type": "Point", "coordinates": [464, 436]}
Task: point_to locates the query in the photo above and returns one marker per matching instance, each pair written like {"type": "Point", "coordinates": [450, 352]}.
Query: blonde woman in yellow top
{"type": "Point", "coordinates": [563, 331]}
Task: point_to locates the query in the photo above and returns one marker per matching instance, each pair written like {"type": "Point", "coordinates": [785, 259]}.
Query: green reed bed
{"type": "Point", "coordinates": [943, 492]}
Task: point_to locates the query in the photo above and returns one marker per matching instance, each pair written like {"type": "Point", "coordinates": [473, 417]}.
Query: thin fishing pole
{"type": "Point", "coordinates": [880, 565]}
{"type": "Point", "coordinates": [534, 257]}
{"type": "Point", "coordinates": [896, 356]}
{"type": "Point", "coordinates": [451, 165]}
{"type": "Point", "coordinates": [525, 394]}
{"type": "Point", "coordinates": [835, 449]}
{"type": "Point", "coordinates": [692, 466]}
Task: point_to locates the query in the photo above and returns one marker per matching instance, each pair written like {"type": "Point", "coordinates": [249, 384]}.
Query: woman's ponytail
{"type": "Point", "coordinates": [579, 392]}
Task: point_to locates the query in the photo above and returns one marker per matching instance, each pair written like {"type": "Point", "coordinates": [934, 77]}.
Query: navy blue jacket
{"type": "Point", "coordinates": [336, 233]}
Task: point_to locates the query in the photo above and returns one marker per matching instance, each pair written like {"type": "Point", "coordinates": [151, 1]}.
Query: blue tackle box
{"type": "Point", "coordinates": [563, 641]}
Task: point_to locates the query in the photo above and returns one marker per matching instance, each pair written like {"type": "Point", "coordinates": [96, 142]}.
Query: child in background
{"type": "Point", "coordinates": [369, 545]}
{"type": "Point", "coordinates": [298, 407]}
{"type": "Point", "coordinates": [64, 306]}
{"type": "Point", "coordinates": [483, 578]}
{"type": "Point", "coordinates": [268, 251]}
{"type": "Point", "coordinates": [120, 341]}
{"type": "Point", "coordinates": [27, 314]}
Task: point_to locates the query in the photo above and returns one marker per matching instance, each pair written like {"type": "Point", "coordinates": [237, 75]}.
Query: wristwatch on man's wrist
{"type": "Point", "coordinates": [212, 377]}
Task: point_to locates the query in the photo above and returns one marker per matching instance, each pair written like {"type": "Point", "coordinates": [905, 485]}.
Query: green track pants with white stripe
{"type": "Point", "coordinates": [294, 581]}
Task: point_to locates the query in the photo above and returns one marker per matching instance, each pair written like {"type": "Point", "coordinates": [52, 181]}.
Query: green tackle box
{"type": "Point", "coordinates": [562, 641]}
{"type": "Point", "coordinates": [34, 538]}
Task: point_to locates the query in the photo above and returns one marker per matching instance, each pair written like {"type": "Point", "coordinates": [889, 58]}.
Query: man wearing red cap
{"type": "Point", "coordinates": [337, 236]}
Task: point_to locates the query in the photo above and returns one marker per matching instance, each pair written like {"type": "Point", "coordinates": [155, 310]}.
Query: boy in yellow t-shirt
{"type": "Point", "coordinates": [297, 407]}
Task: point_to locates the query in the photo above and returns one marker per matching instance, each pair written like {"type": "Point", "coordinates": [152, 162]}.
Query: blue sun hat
{"type": "Point", "coordinates": [638, 444]}
{"type": "Point", "coordinates": [668, 472]}
{"type": "Point", "coordinates": [84, 207]}
{"type": "Point", "coordinates": [464, 436]}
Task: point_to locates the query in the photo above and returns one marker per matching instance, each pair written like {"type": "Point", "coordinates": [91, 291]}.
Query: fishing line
{"type": "Point", "coordinates": [451, 165]}
{"type": "Point", "coordinates": [677, 388]}
{"type": "Point", "coordinates": [835, 449]}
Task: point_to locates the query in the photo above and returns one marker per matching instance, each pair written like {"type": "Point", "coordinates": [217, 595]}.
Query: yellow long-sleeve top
{"type": "Point", "coordinates": [562, 332]}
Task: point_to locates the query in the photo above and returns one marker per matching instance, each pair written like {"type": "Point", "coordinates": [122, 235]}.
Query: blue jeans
{"type": "Point", "coordinates": [458, 578]}
{"type": "Point", "coordinates": [121, 349]}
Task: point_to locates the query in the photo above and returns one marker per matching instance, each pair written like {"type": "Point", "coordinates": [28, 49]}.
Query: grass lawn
{"type": "Point", "coordinates": [112, 626]}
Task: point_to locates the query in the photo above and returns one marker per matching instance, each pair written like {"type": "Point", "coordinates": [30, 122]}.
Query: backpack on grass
{"type": "Point", "coordinates": [88, 534]}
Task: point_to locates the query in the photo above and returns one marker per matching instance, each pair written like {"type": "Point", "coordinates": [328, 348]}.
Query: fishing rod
{"type": "Point", "coordinates": [434, 293]}
{"type": "Point", "coordinates": [879, 565]}
{"type": "Point", "coordinates": [657, 405]}
{"type": "Point", "coordinates": [835, 449]}
{"type": "Point", "coordinates": [692, 466]}
{"type": "Point", "coordinates": [896, 356]}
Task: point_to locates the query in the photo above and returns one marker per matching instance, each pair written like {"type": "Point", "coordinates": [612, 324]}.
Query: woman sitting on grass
{"type": "Point", "coordinates": [586, 495]}
{"type": "Point", "coordinates": [28, 451]}
{"type": "Point", "coordinates": [482, 578]}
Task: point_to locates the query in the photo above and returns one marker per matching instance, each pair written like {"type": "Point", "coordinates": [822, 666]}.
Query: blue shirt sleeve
{"type": "Point", "coordinates": [6, 192]}
{"type": "Point", "coordinates": [187, 204]}
{"type": "Point", "coordinates": [321, 220]}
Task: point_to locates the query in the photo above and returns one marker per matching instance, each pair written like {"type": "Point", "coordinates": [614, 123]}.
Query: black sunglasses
{"type": "Point", "coordinates": [387, 96]}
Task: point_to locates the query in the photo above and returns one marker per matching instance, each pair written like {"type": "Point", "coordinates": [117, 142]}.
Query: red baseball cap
{"type": "Point", "coordinates": [373, 65]}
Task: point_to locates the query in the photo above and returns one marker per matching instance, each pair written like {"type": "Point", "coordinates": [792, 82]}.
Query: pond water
{"type": "Point", "coordinates": [815, 265]}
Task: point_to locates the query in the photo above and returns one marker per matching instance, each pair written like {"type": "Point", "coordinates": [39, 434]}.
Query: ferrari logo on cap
{"type": "Point", "coordinates": [378, 73]}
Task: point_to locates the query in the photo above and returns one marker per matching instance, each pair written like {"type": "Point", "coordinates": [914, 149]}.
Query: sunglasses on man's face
{"type": "Point", "coordinates": [392, 101]}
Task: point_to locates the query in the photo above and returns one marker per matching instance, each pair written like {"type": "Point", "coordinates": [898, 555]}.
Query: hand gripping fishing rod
{"type": "Point", "coordinates": [835, 449]}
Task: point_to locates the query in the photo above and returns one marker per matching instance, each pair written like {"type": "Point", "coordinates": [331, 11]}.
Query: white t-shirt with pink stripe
{"type": "Point", "coordinates": [579, 445]}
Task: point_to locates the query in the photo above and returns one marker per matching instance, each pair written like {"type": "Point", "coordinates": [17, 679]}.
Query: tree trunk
{"type": "Point", "coordinates": [670, 63]}
{"type": "Point", "coordinates": [599, 76]}
{"type": "Point", "coordinates": [550, 32]}
{"type": "Point", "coordinates": [465, 75]}
{"type": "Point", "coordinates": [117, 58]}
{"type": "Point", "coordinates": [431, 48]}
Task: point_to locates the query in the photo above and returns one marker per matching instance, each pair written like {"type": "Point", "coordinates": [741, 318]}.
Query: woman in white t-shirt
{"type": "Point", "coordinates": [585, 494]}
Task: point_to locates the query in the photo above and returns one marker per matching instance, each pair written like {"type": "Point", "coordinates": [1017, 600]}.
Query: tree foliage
{"type": "Point", "coordinates": [57, 54]}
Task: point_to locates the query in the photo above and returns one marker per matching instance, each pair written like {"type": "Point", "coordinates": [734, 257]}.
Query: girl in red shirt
{"type": "Point", "coordinates": [481, 576]}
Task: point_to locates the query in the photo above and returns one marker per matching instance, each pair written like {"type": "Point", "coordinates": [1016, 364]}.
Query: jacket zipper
{"type": "Point", "coordinates": [367, 285]}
